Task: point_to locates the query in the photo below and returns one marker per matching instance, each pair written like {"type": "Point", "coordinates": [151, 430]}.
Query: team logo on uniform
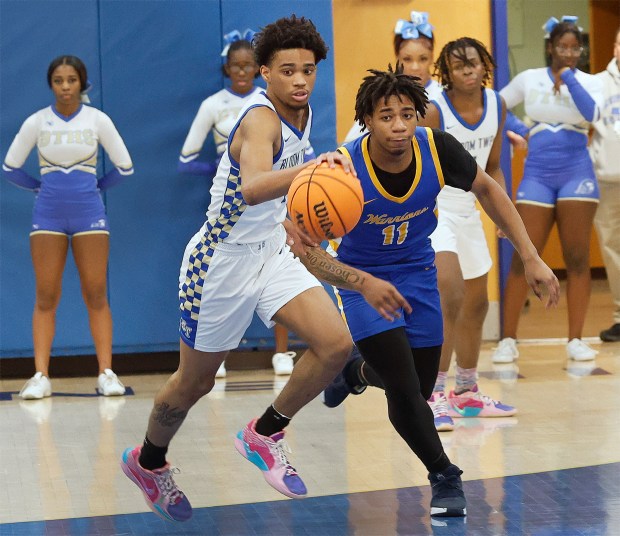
{"type": "Point", "coordinates": [586, 187]}
{"type": "Point", "coordinates": [187, 330]}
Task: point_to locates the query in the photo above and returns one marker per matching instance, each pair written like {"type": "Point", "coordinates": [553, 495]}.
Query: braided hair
{"type": "Point", "coordinates": [285, 34]}
{"type": "Point", "coordinates": [457, 49]}
{"type": "Point", "coordinates": [385, 84]}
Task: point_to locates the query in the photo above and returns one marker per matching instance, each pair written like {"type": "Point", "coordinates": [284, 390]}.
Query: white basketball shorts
{"type": "Point", "coordinates": [222, 284]}
{"type": "Point", "coordinates": [463, 234]}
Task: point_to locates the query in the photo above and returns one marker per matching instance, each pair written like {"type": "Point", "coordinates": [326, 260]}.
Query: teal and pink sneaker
{"type": "Point", "coordinates": [158, 487]}
{"type": "Point", "coordinates": [474, 404]}
{"type": "Point", "coordinates": [268, 454]}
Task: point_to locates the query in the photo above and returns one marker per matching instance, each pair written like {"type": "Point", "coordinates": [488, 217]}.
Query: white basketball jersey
{"type": "Point", "coordinates": [229, 218]}
{"type": "Point", "coordinates": [477, 139]}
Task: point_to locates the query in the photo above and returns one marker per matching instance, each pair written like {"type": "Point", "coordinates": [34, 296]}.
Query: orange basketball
{"type": "Point", "coordinates": [325, 202]}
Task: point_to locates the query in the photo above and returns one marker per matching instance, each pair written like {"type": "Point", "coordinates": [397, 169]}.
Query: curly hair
{"type": "Point", "coordinates": [285, 34]}
{"type": "Point", "coordinates": [456, 49]}
{"type": "Point", "coordinates": [242, 44]}
{"type": "Point", "coordinates": [72, 61]}
{"type": "Point", "coordinates": [385, 84]}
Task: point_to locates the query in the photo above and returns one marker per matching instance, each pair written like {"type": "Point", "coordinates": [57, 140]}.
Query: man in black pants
{"type": "Point", "coordinates": [402, 169]}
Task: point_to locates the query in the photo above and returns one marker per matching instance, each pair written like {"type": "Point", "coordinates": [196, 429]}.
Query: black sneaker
{"type": "Point", "coordinates": [336, 392]}
{"type": "Point", "coordinates": [448, 497]}
{"type": "Point", "coordinates": [612, 334]}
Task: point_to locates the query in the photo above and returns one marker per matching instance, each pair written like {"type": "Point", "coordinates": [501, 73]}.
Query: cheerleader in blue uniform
{"type": "Point", "coordinates": [69, 211]}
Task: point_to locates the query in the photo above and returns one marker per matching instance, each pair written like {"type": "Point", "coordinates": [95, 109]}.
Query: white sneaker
{"type": "Point", "coordinates": [283, 363]}
{"type": "Point", "coordinates": [506, 351]}
{"type": "Point", "coordinates": [36, 387]}
{"type": "Point", "coordinates": [221, 372]}
{"type": "Point", "coordinates": [109, 384]}
{"type": "Point", "coordinates": [579, 351]}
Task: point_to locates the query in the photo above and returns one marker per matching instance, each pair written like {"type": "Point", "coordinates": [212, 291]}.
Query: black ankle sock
{"type": "Point", "coordinates": [152, 456]}
{"type": "Point", "coordinates": [271, 422]}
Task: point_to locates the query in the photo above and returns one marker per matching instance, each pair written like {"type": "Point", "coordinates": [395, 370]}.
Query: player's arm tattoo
{"type": "Point", "coordinates": [167, 416]}
{"type": "Point", "coordinates": [326, 268]}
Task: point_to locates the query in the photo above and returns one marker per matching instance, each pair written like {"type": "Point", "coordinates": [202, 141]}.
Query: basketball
{"type": "Point", "coordinates": [325, 202]}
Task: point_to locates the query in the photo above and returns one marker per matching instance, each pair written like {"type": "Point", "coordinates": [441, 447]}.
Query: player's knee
{"type": "Point", "coordinates": [335, 351]}
{"type": "Point", "coordinates": [577, 262]}
{"type": "Point", "coordinates": [477, 310]}
{"type": "Point", "coordinates": [95, 298]}
{"type": "Point", "coordinates": [47, 299]}
{"type": "Point", "coordinates": [451, 305]}
{"type": "Point", "coordinates": [197, 386]}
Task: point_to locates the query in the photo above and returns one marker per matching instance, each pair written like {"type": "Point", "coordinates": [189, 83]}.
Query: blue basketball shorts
{"type": "Point", "coordinates": [424, 326]}
{"type": "Point", "coordinates": [546, 188]}
{"type": "Point", "coordinates": [70, 218]}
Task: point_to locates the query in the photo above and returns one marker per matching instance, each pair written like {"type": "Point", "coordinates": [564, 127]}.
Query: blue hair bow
{"type": "Point", "coordinates": [553, 22]}
{"type": "Point", "coordinates": [236, 35]}
{"type": "Point", "coordinates": [418, 25]}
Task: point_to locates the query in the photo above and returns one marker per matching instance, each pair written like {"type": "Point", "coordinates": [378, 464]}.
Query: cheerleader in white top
{"type": "Point", "coordinates": [413, 47]}
{"type": "Point", "coordinates": [218, 114]}
{"type": "Point", "coordinates": [474, 115]}
{"type": "Point", "coordinates": [559, 184]}
{"type": "Point", "coordinates": [69, 210]}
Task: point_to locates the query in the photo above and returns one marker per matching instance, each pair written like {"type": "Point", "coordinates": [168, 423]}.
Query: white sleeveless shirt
{"type": "Point", "coordinates": [477, 139]}
{"type": "Point", "coordinates": [229, 218]}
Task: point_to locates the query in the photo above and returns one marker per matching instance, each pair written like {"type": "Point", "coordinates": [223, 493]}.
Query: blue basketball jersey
{"type": "Point", "coordinates": [392, 242]}
{"type": "Point", "coordinates": [394, 230]}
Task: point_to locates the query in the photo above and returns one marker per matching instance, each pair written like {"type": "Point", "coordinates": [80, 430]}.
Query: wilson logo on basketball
{"type": "Point", "coordinates": [326, 203]}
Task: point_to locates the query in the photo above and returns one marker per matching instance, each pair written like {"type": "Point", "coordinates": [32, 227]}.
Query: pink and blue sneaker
{"type": "Point", "coordinates": [473, 403]}
{"type": "Point", "coordinates": [158, 487]}
{"type": "Point", "coordinates": [439, 405]}
{"type": "Point", "coordinates": [268, 454]}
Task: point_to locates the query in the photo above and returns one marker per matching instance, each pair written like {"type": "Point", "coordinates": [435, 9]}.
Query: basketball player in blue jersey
{"type": "Point", "coordinates": [559, 184]}
{"type": "Point", "coordinates": [241, 262]}
{"type": "Point", "coordinates": [402, 170]}
{"type": "Point", "coordinates": [69, 212]}
{"type": "Point", "coordinates": [474, 115]}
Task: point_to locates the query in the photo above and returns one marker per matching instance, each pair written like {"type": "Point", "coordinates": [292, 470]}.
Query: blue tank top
{"type": "Point", "coordinates": [394, 230]}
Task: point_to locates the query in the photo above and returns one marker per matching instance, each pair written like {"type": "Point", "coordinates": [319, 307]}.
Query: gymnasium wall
{"type": "Point", "coordinates": [151, 64]}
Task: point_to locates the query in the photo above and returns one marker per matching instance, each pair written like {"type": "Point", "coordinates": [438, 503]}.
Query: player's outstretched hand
{"type": "Point", "coordinates": [334, 158]}
{"type": "Point", "coordinates": [539, 275]}
{"type": "Point", "coordinates": [384, 297]}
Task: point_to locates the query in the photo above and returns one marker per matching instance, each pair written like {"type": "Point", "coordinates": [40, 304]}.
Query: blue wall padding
{"type": "Point", "coordinates": [151, 65]}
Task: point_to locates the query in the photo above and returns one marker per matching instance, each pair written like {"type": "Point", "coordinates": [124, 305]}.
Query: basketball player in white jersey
{"type": "Point", "coordinates": [240, 262]}
{"type": "Point", "coordinates": [475, 116]}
